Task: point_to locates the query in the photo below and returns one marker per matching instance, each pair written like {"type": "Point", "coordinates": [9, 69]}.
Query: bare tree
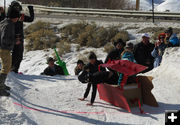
{"type": "Point", "coordinates": [100, 4]}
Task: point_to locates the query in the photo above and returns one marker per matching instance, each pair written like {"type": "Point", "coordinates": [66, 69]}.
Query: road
{"type": "Point", "coordinates": [105, 19]}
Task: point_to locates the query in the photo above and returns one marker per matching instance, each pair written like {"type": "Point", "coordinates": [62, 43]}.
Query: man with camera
{"type": "Point", "coordinates": [18, 50]}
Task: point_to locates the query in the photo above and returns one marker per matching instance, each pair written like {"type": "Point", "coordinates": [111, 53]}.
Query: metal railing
{"type": "Point", "coordinates": [104, 12]}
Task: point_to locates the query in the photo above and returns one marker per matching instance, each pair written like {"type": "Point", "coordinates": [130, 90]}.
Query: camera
{"type": "Point", "coordinates": [1, 9]}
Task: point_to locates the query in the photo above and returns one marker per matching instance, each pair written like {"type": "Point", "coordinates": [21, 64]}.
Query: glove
{"type": "Point", "coordinates": [31, 8]}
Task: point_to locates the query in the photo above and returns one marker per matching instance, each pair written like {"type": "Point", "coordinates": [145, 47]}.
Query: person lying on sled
{"type": "Point", "coordinates": [127, 54]}
{"type": "Point", "coordinates": [91, 68]}
{"type": "Point", "coordinates": [109, 77]}
{"type": "Point", "coordinates": [52, 68]}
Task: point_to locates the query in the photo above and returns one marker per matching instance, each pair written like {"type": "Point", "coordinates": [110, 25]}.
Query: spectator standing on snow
{"type": "Point", "coordinates": [116, 53]}
{"type": "Point", "coordinates": [79, 67]}
{"type": "Point", "coordinates": [171, 38]}
{"type": "Point", "coordinates": [91, 68]}
{"type": "Point", "coordinates": [52, 68]}
{"type": "Point", "coordinates": [142, 52]}
{"type": "Point", "coordinates": [127, 54]}
{"type": "Point", "coordinates": [18, 50]}
{"type": "Point", "coordinates": [159, 49]}
{"type": "Point", "coordinates": [7, 42]}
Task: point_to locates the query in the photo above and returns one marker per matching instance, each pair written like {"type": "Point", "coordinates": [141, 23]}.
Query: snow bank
{"type": "Point", "coordinates": [160, 5]}
{"type": "Point", "coordinates": [167, 77]}
{"type": "Point", "coordinates": [170, 65]}
{"type": "Point", "coordinates": [171, 5]}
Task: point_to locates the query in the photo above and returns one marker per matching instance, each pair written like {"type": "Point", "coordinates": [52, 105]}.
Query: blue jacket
{"type": "Point", "coordinates": [126, 55]}
{"type": "Point", "coordinates": [174, 40]}
{"type": "Point", "coordinates": [157, 53]}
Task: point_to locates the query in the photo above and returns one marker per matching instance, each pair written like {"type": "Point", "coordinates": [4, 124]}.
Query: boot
{"type": "Point", "coordinates": [2, 81]}
{"type": "Point", "coordinates": [7, 88]}
{"type": "Point", "coordinates": [4, 93]}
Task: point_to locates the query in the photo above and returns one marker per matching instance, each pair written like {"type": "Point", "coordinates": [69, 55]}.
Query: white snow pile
{"type": "Point", "coordinates": [166, 79]}
{"type": "Point", "coordinates": [44, 100]}
{"type": "Point", "coordinates": [160, 5]}
{"type": "Point", "coordinates": [171, 5]}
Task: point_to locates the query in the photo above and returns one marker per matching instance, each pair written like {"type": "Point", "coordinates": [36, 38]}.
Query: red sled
{"type": "Point", "coordinates": [128, 95]}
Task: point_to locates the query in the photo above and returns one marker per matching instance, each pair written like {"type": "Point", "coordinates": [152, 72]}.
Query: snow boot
{"type": "Point", "coordinates": [4, 93]}
{"type": "Point", "coordinates": [7, 88]}
{"type": "Point", "coordinates": [2, 81]}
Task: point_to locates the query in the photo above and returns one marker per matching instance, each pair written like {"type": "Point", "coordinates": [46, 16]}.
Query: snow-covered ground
{"type": "Point", "coordinates": [53, 100]}
{"type": "Point", "coordinates": [44, 100]}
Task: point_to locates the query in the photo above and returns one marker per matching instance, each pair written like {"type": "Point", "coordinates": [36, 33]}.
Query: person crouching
{"type": "Point", "coordinates": [52, 68]}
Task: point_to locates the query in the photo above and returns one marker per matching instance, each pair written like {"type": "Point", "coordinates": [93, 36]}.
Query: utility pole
{"type": "Point", "coordinates": [89, 3]}
{"type": "Point", "coordinates": [153, 10]}
{"type": "Point", "coordinates": [137, 4]}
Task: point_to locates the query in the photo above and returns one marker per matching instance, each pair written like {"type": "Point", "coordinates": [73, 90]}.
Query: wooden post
{"type": "Point", "coordinates": [137, 4]}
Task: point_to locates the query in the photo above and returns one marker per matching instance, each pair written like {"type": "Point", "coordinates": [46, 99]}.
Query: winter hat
{"type": "Point", "coordinates": [80, 62]}
{"type": "Point", "coordinates": [92, 55]}
{"type": "Point", "coordinates": [119, 41]}
{"type": "Point", "coordinates": [130, 45]}
{"type": "Point", "coordinates": [50, 59]}
{"type": "Point", "coordinates": [145, 35]}
{"type": "Point", "coordinates": [16, 5]}
{"type": "Point", "coordinates": [169, 30]}
{"type": "Point", "coordinates": [161, 35]}
{"type": "Point", "coordinates": [13, 13]}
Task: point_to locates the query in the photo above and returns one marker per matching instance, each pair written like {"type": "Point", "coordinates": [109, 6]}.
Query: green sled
{"type": "Point", "coordinates": [61, 63]}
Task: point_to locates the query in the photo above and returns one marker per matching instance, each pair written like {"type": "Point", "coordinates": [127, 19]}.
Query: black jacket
{"type": "Point", "coordinates": [7, 34]}
{"type": "Point", "coordinates": [89, 70]}
{"type": "Point", "coordinates": [19, 31]}
{"type": "Point", "coordinates": [50, 72]}
{"type": "Point", "coordinates": [93, 68]}
{"type": "Point", "coordinates": [114, 55]}
{"type": "Point", "coordinates": [142, 54]}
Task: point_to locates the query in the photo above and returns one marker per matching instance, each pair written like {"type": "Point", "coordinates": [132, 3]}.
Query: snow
{"type": "Point", "coordinates": [171, 5]}
{"type": "Point", "coordinates": [160, 5]}
{"type": "Point", "coordinates": [8, 2]}
{"type": "Point", "coordinates": [53, 100]}
{"type": "Point", "coordinates": [60, 93]}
